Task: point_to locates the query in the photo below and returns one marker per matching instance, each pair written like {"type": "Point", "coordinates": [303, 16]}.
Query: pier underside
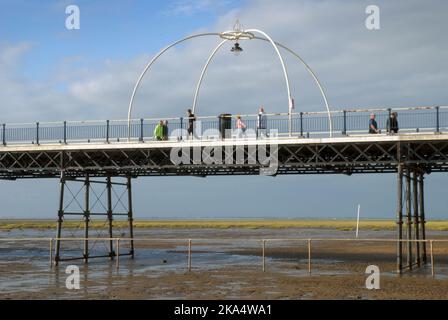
{"type": "Point", "coordinates": [411, 157]}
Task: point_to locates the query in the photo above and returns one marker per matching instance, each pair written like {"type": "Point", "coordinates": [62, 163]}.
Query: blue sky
{"type": "Point", "coordinates": [49, 73]}
{"type": "Point", "coordinates": [110, 29]}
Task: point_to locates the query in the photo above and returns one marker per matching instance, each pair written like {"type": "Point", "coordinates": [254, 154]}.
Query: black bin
{"type": "Point", "coordinates": [225, 125]}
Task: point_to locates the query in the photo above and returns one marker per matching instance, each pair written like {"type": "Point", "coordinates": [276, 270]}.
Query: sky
{"type": "Point", "coordinates": [50, 73]}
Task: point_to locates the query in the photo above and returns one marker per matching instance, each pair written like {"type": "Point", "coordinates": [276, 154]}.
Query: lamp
{"type": "Point", "coordinates": [236, 49]}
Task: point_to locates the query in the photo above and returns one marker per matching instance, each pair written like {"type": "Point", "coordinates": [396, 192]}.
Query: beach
{"type": "Point", "coordinates": [226, 263]}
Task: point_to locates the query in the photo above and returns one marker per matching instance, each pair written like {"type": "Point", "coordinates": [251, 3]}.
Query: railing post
{"type": "Point", "coordinates": [189, 255]}
{"type": "Point", "coordinates": [51, 253]}
{"type": "Point", "coordinates": [264, 255]}
{"type": "Point", "coordinates": [437, 119]}
{"type": "Point", "coordinates": [181, 127]}
{"type": "Point", "coordinates": [117, 245]}
{"type": "Point", "coordinates": [344, 130]}
{"type": "Point", "coordinates": [107, 130]}
{"type": "Point", "coordinates": [37, 133]}
{"type": "Point", "coordinates": [4, 133]}
{"type": "Point", "coordinates": [301, 124]}
{"type": "Point", "coordinates": [309, 256]}
{"type": "Point", "coordinates": [141, 130]}
{"type": "Point", "coordinates": [65, 132]}
{"type": "Point", "coordinates": [389, 113]}
{"type": "Point", "coordinates": [431, 250]}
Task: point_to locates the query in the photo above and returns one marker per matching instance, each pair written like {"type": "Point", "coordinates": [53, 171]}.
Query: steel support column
{"type": "Point", "coordinates": [87, 211]}
{"type": "Point", "coordinates": [416, 216]}
{"type": "Point", "coordinates": [422, 215]}
{"type": "Point", "coordinates": [400, 219]}
{"type": "Point", "coordinates": [86, 217]}
{"type": "Point", "coordinates": [60, 218]}
{"type": "Point", "coordinates": [408, 217]}
{"type": "Point", "coordinates": [109, 216]}
{"type": "Point", "coordinates": [130, 216]}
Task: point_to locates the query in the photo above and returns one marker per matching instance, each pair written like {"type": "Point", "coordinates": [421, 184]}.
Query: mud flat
{"type": "Point", "coordinates": [227, 264]}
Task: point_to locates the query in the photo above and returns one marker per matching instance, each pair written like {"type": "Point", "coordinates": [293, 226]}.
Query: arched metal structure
{"type": "Point", "coordinates": [308, 68]}
{"type": "Point", "coordinates": [236, 34]}
{"type": "Point", "coordinates": [137, 84]}
{"type": "Point", "coordinates": [198, 86]}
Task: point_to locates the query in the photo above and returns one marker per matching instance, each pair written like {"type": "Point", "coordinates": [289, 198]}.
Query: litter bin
{"type": "Point", "coordinates": [225, 125]}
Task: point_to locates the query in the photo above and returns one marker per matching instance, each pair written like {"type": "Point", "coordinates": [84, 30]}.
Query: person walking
{"type": "Point", "coordinates": [158, 131]}
{"type": "Point", "coordinates": [373, 126]}
{"type": "Point", "coordinates": [262, 123]}
{"type": "Point", "coordinates": [240, 127]}
{"type": "Point", "coordinates": [165, 130]}
{"type": "Point", "coordinates": [191, 121]}
{"type": "Point", "coordinates": [392, 123]}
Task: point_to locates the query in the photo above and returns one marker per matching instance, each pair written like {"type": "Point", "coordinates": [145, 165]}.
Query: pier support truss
{"type": "Point", "coordinates": [410, 217]}
{"type": "Point", "coordinates": [411, 156]}
{"type": "Point", "coordinates": [90, 204]}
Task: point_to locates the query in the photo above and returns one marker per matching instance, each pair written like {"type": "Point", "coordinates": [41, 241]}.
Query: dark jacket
{"type": "Point", "coordinates": [392, 125]}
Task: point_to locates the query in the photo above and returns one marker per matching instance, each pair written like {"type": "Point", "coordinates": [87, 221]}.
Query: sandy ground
{"type": "Point", "coordinates": [247, 283]}
{"type": "Point", "coordinates": [337, 273]}
{"type": "Point", "coordinates": [338, 270]}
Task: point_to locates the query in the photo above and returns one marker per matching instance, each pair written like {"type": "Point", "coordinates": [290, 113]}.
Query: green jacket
{"type": "Point", "coordinates": [158, 131]}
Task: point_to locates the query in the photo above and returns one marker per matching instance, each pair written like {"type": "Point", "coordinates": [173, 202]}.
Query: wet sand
{"type": "Point", "coordinates": [231, 268]}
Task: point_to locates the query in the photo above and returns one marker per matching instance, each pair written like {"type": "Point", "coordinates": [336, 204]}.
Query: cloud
{"type": "Point", "coordinates": [11, 54]}
{"type": "Point", "coordinates": [402, 64]}
{"type": "Point", "coordinates": [191, 7]}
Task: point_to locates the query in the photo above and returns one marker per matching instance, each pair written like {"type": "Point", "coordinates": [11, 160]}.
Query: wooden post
{"type": "Point", "coordinates": [117, 245]}
{"type": "Point", "coordinates": [264, 255]}
{"type": "Point", "coordinates": [189, 255]}
{"type": "Point", "coordinates": [309, 256]}
{"type": "Point", "coordinates": [51, 253]}
{"type": "Point", "coordinates": [431, 248]}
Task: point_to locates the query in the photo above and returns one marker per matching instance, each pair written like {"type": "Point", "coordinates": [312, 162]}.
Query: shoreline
{"type": "Point", "coordinates": [342, 225]}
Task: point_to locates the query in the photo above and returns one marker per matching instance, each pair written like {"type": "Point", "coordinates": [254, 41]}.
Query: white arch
{"type": "Point", "coordinates": [311, 72]}
{"type": "Point", "coordinates": [196, 93]}
{"type": "Point", "coordinates": [285, 72]}
{"type": "Point", "coordinates": [131, 102]}
{"type": "Point", "coordinates": [308, 68]}
{"type": "Point", "coordinates": [274, 44]}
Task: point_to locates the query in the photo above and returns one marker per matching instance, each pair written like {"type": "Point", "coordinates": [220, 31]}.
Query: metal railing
{"type": "Point", "coordinates": [263, 243]}
{"type": "Point", "coordinates": [304, 124]}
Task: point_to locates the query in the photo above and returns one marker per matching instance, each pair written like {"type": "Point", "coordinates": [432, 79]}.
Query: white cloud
{"type": "Point", "coordinates": [190, 7]}
{"type": "Point", "coordinates": [402, 64]}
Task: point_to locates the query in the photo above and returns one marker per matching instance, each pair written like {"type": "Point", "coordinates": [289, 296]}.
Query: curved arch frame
{"type": "Point", "coordinates": [137, 84]}
{"type": "Point", "coordinates": [268, 39]}
{"type": "Point", "coordinates": [307, 67]}
{"type": "Point", "coordinates": [204, 69]}
{"type": "Point", "coordinates": [285, 72]}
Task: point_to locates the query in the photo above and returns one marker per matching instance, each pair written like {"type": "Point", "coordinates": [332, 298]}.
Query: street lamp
{"type": "Point", "coordinates": [236, 49]}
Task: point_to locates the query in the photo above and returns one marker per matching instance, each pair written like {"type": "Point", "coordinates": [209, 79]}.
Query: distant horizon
{"type": "Point", "coordinates": [218, 218]}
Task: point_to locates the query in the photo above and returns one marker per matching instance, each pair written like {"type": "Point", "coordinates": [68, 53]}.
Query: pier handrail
{"type": "Point", "coordinates": [311, 123]}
